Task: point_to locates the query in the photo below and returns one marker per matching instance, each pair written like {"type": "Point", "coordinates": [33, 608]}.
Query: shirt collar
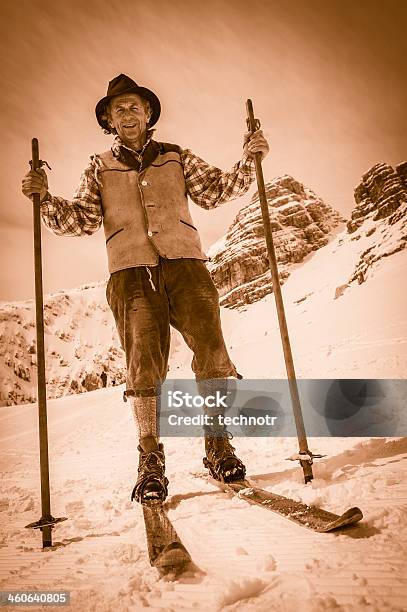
{"type": "Point", "coordinates": [118, 144]}
{"type": "Point", "coordinates": [132, 159]}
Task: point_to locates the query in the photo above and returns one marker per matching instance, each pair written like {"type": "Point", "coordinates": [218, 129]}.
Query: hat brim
{"type": "Point", "coordinates": [143, 92]}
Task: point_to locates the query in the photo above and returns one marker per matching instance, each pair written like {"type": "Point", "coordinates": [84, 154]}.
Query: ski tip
{"type": "Point", "coordinates": [356, 510]}
{"type": "Point", "coordinates": [173, 560]}
{"type": "Point", "coordinates": [355, 514]}
{"type": "Point", "coordinates": [175, 572]}
{"type": "Point", "coordinates": [348, 518]}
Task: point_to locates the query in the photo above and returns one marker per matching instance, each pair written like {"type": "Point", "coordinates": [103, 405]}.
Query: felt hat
{"type": "Point", "coordinates": [124, 84]}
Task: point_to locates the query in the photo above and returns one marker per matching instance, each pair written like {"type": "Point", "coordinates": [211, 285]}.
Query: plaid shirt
{"type": "Point", "coordinates": [206, 185]}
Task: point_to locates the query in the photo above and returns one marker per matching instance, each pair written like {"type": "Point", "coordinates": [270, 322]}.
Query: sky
{"type": "Point", "coordinates": [327, 79]}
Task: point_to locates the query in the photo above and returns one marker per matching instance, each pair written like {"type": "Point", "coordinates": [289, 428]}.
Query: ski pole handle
{"type": "Point", "coordinates": [35, 165]}
{"type": "Point", "coordinates": [35, 154]}
{"type": "Point", "coordinates": [252, 123]}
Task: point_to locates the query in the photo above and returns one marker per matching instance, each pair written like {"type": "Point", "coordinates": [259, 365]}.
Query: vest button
{"type": "Point", "coordinates": [150, 233]}
{"type": "Point", "coordinates": [144, 183]}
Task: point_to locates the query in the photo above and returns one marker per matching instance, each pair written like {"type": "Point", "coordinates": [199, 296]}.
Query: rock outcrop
{"type": "Point", "coordinates": [80, 342]}
{"type": "Point", "coordinates": [380, 193]}
{"type": "Point", "coordinates": [301, 223]}
{"type": "Point", "coordinates": [380, 212]}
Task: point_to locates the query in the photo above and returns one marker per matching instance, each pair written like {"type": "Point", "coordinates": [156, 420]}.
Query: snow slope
{"type": "Point", "coordinates": [360, 333]}
{"type": "Point", "coordinates": [250, 559]}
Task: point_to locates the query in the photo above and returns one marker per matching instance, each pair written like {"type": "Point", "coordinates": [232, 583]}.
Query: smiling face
{"type": "Point", "coordinates": [128, 114]}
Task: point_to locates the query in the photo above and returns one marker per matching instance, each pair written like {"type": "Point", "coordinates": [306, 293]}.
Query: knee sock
{"type": "Point", "coordinates": [144, 411]}
{"type": "Point", "coordinates": [210, 387]}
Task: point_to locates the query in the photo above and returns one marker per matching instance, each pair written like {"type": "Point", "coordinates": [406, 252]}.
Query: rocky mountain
{"type": "Point", "coordinates": [379, 194]}
{"type": "Point", "coordinates": [380, 212]}
{"type": "Point", "coordinates": [301, 223]}
{"type": "Point", "coordinates": [80, 340]}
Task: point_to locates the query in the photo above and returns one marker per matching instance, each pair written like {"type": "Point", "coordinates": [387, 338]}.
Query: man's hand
{"type": "Point", "coordinates": [35, 181]}
{"type": "Point", "coordinates": [255, 143]}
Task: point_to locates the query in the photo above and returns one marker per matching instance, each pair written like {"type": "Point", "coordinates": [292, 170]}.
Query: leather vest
{"type": "Point", "coordinates": [146, 214]}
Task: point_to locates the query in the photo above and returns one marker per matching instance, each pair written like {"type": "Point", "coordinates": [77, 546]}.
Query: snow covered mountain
{"type": "Point", "coordinates": [80, 339]}
{"type": "Point", "coordinates": [301, 223]}
{"type": "Point", "coordinates": [380, 213]}
{"type": "Point", "coordinates": [343, 295]}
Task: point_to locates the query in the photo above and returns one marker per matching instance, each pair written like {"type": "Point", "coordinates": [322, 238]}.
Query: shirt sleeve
{"type": "Point", "coordinates": [209, 186]}
{"type": "Point", "coordinates": [81, 216]}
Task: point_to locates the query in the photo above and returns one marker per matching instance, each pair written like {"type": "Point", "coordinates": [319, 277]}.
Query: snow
{"type": "Point", "coordinates": [216, 247]}
{"type": "Point", "coordinates": [250, 559]}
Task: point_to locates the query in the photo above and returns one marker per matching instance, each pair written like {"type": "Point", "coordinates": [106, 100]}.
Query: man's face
{"type": "Point", "coordinates": [129, 114]}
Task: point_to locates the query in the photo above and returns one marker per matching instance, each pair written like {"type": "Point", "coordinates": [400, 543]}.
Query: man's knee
{"type": "Point", "coordinates": [140, 392]}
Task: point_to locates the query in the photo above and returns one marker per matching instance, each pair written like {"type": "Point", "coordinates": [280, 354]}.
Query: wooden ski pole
{"type": "Point", "coordinates": [47, 521]}
{"type": "Point", "coordinates": [305, 456]}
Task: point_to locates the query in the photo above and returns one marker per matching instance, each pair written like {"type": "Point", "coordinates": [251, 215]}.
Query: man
{"type": "Point", "coordinates": [138, 190]}
{"type": "Point", "coordinates": [103, 378]}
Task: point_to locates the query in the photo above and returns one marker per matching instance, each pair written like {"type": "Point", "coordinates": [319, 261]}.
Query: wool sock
{"type": "Point", "coordinates": [210, 387]}
{"type": "Point", "coordinates": [145, 416]}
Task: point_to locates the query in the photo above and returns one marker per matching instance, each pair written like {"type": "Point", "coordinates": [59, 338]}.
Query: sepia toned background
{"type": "Point", "coordinates": [327, 80]}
